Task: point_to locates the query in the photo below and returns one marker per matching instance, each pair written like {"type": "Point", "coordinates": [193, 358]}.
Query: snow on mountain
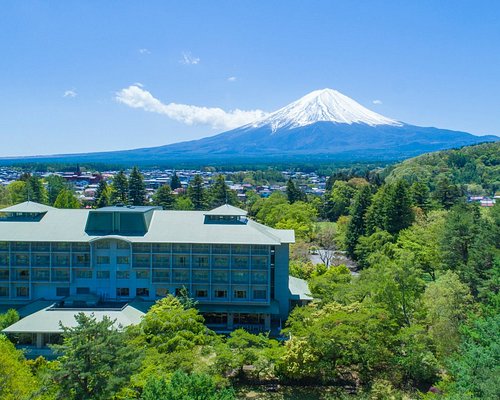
{"type": "Point", "coordinates": [322, 105]}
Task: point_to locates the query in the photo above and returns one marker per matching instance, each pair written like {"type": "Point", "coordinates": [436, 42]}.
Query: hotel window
{"type": "Point", "coordinates": [240, 276]}
{"type": "Point", "coordinates": [4, 246]}
{"type": "Point", "coordinates": [41, 274]}
{"type": "Point", "coordinates": [240, 294]}
{"type": "Point", "coordinates": [40, 260]}
{"type": "Point", "coordinates": [62, 291]}
{"type": "Point", "coordinates": [161, 261]}
{"type": "Point", "coordinates": [61, 246]}
{"type": "Point", "coordinates": [4, 259]}
{"type": "Point", "coordinates": [122, 274]}
{"type": "Point", "coordinates": [60, 275]}
{"type": "Point", "coordinates": [201, 293]}
{"type": "Point", "coordinates": [161, 248]}
{"type": "Point", "coordinates": [21, 260]}
{"type": "Point", "coordinates": [82, 290]}
{"type": "Point", "coordinates": [122, 292]}
{"type": "Point", "coordinates": [20, 246]}
{"type": "Point", "coordinates": [40, 246]}
{"type": "Point", "coordinates": [121, 245]}
{"type": "Point", "coordinates": [60, 260]}
{"type": "Point", "coordinates": [102, 244]}
{"type": "Point", "coordinates": [81, 260]}
{"type": "Point", "coordinates": [141, 260]}
{"type": "Point", "coordinates": [181, 276]}
{"type": "Point", "coordinates": [181, 262]}
{"type": "Point", "coordinates": [241, 262]}
{"type": "Point", "coordinates": [259, 277]}
{"type": "Point", "coordinates": [200, 261]}
{"type": "Point", "coordinates": [161, 275]}
{"type": "Point", "coordinates": [142, 274]}
{"type": "Point", "coordinates": [220, 294]}
{"type": "Point", "coordinates": [240, 249]}
{"type": "Point", "coordinates": [181, 248]}
{"type": "Point", "coordinates": [220, 262]}
{"type": "Point", "coordinates": [201, 248]}
{"type": "Point", "coordinates": [4, 274]}
{"type": "Point", "coordinates": [260, 294]}
{"type": "Point", "coordinates": [260, 249]}
{"type": "Point", "coordinates": [103, 274]}
{"type": "Point", "coordinates": [22, 291]}
{"type": "Point", "coordinates": [141, 247]}
{"type": "Point", "coordinates": [220, 276]}
{"type": "Point", "coordinates": [200, 276]}
{"type": "Point", "coordinates": [84, 247]}
{"type": "Point", "coordinates": [220, 249]}
{"type": "Point", "coordinates": [142, 292]}
{"type": "Point", "coordinates": [122, 260]}
{"type": "Point", "coordinates": [83, 274]}
{"type": "Point", "coordinates": [23, 275]}
{"type": "Point", "coordinates": [4, 291]}
{"type": "Point", "coordinates": [103, 260]}
{"type": "Point", "coordinates": [161, 292]}
{"type": "Point", "coordinates": [259, 262]}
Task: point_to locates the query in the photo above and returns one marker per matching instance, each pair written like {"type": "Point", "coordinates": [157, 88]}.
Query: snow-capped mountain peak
{"type": "Point", "coordinates": [323, 105]}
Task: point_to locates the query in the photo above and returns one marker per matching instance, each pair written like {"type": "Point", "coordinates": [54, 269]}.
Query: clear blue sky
{"type": "Point", "coordinates": [62, 63]}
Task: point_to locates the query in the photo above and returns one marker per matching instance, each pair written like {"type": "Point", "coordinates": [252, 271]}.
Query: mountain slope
{"type": "Point", "coordinates": [323, 125]}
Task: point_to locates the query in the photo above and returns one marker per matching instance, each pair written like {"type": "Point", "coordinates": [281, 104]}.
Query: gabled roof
{"type": "Point", "coordinates": [227, 210]}
{"type": "Point", "coordinates": [27, 207]}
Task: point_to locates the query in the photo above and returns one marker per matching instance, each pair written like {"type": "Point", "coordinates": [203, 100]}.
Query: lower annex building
{"type": "Point", "coordinates": [116, 257]}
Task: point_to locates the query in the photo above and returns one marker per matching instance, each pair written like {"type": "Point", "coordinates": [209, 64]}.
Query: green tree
{"type": "Point", "coordinates": [5, 199]}
{"type": "Point", "coordinates": [17, 192]}
{"type": "Point", "coordinates": [183, 203]}
{"type": "Point", "coordinates": [338, 200]}
{"type": "Point", "coordinates": [357, 225]}
{"type": "Point", "coordinates": [119, 188]}
{"type": "Point", "coordinates": [9, 318]}
{"type": "Point", "coordinates": [35, 191]}
{"type": "Point", "coordinates": [184, 386]}
{"type": "Point", "coordinates": [446, 194]}
{"type": "Point", "coordinates": [103, 194]}
{"type": "Point", "coordinates": [175, 182]}
{"type": "Point", "coordinates": [55, 185]}
{"type": "Point", "coordinates": [293, 193]}
{"type": "Point", "coordinates": [137, 189]}
{"type": "Point", "coordinates": [420, 195]}
{"type": "Point", "coordinates": [399, 212]}
{"type": "Point", "coordinates": [16, 380]}
{"type": "Point", "coordinates": [66, 199]}
{"type": "Point", "coordinates": [164, 198]}
{"type": "Point", "coordinates": [197, 194]}
{"type": "Point", "coordinates": [96, 360]}
{"type": "Point", "coordinates": [220, 194]}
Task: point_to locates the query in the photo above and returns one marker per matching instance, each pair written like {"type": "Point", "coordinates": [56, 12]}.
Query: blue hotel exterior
{"type": "Point", "coordinates": [235, 268]}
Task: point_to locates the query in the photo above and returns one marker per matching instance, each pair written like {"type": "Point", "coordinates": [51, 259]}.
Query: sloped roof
{"type": "Point", "coordinates": [299, 288]}
{"type": "Point", "coordinates": [227, 210]}
{"type": "Point", "coordinates": [68, 225]}
{"type": "Point", "coordinates": [49, 319]}
{"type": "Point", "coordinates": [27, 207]}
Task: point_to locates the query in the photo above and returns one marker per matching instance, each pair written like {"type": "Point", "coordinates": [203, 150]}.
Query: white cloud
{"type": "Point", "coordinates": [136, 97]}
{"type": "Point", "coordinates": [377, 101]}
{"type": "Point", "coordinates": [189, 59]}
{"type": "Point", "coordinates": [232, 79]}
{"type": "Point", "coordinates": [144, 51]}
{"type": "Point", "coordinates": [70, 93]}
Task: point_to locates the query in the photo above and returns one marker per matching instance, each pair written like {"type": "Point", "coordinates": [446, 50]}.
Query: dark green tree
{"type": "Point", "coordinates": [338, 200]}
{"type": "Point", "coordinates": [96, 360]}
{"type": "Point", "coordinates": [399, 212]}
{"type": "Point", "coordinates": [420, 195]}
{"type": "Point", "coordinates": [55, 184]}
{"type": "Point", "coordinates": [220, 194]}
{"type": "Point", "coordinates": [197, 194]}
{"type": "Point", "coordinates": [136, 188]}
{"type": "Point", "coordinates": [164, 198]}
{"type": "Point", "coordinates": [35, 190]}
{"type": "Point", "coordinates": [357, 224]}
{"type": "Point", "coordinates": [293, 192]}
{"type": "Point", "coordinates": [102, 195]}
{"type": "Point", "coordinates": [446, 193]}
{"type": "Point", "coordinates": [119, 188]}
{"type": "Point", "coordinates": [175, 182]}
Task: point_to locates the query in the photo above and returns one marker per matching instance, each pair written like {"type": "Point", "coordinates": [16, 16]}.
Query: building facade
{"type": "Point", "coordinates": [235, 268]}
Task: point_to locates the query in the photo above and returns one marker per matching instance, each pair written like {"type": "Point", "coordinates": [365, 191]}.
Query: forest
{"type": "Point", "coordinates": [406, 295]}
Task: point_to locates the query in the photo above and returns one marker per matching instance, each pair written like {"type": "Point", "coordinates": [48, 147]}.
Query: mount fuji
{"type": "Point", "coordinates": [324, 125]}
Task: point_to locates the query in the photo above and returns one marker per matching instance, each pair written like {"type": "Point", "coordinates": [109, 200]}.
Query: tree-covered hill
{"type": "Point", "coordinates": [477, 168]}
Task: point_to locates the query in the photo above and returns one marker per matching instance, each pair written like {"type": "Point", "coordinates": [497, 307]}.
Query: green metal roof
{"type": "Point", "coordinates": [227, 210]}
{"type": "Point", "coordinates": [68, 225]}
{"type": "Point", "coordinates": [27, 207]}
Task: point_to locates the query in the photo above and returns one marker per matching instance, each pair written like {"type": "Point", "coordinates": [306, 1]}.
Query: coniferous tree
{"type": "Point", "coordinates": [120, 188]}
{"type": "Point", "coordinates": [420, 195]}
{"type": "Point", "coordinates": [164, 198]}
{"type": "Point", "coordinates": [399, 213]}
{"type": "Point", "coordinates": [446, 193]}
{"type": "Point", "coordinates": [35, 190]}
{"type": "Point", "coordinates": [220, 194]}
{"type": "Point", "coordinates": [55, 184]}
{"type": "Point", "coordinates": [293, 192]}
{"type": "Point", "coordinates": [102, 195]}
{"type": "Point", "coordinates": [175, 182]}
{"type": "Point", "coordinates": [197, 194]}
{"type": "Point", "coordinates": [357, 224]}
{"type": "Point", "coordinates": [137, 189]}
